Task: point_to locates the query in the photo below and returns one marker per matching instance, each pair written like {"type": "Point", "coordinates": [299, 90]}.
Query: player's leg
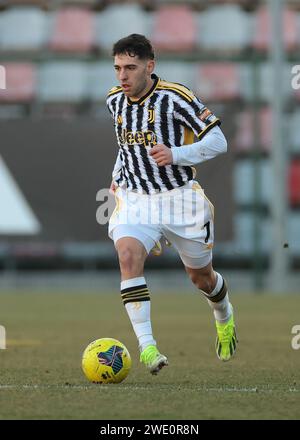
{"type": "Point", "coordinates": [133, 241]}
{"type": "Point", "coordinates": [193, 238]}
{"type": "Point", "coordinates": [132, 253]}
{"type": "Point", "coordinates": [214, 288]}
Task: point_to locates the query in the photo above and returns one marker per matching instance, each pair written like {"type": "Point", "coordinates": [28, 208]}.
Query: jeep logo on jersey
{"type": "Point", "coordinates": [146, 138]}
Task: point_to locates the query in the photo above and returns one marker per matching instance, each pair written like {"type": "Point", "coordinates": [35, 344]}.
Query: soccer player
{"type": "Point", "coordinates": [162, 130]}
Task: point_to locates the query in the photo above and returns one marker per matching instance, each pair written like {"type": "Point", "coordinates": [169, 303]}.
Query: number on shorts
{"type": "Point", "coordinates": [207, 226]}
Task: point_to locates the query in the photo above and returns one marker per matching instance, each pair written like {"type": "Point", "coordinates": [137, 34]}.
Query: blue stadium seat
{"type": "Point", "coordinates": [293, 227]}
{"type": "Point", "coordinates": [176, 71]}
{"type": "Point", "coordinates": [63, 81]}
{"type": "Point", "coordinates": [244, 231]}
{"type": "Point", "coordinates": [293, 131]}
{"type": "Point", "coordinates": [23, 28]}
{"type": "Point", "coordinates": [101, 78]}
{"type": "Point", "coordinates": [224, 28]}
{"type": "Point", "coordinates": [244, 182]}
{"type": "Point", "coordinates": [265, 88]}
{"type": "Point", "coordinates": [118, 21]}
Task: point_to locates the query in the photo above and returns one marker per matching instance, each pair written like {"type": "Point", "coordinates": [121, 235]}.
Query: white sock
{"type": "Point", "coordinates": [138, 311]}
{"type": "Point", "coordinates": [222, 309]}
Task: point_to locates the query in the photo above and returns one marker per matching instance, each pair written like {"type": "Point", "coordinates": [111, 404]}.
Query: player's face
{"type": "Point", "coordinates": [134, 75]}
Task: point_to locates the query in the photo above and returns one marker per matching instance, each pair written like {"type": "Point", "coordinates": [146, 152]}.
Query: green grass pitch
{"type": "Point", "coordinates": [41, 375]}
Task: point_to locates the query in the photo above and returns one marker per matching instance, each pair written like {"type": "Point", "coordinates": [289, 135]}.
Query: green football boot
{"type": "Point", "coordinates": [153, 360]}
{"type": "Point", "coordinates": [226, 340]}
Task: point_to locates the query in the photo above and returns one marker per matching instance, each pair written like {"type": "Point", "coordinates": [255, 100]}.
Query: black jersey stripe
{"type": "Point", "coordinates": [197, 106]}
{"type": "Point", "coordinates": [128, 175]}
{"type": "Point", "coordinates": [125, 153]}
{"type": "Point", "coordinates": [185, 114]}
{"type": "Point", "coordinates": [135, 162]}
{"type": "Point", "coordinates": [177, 175]}
{"type": "Point", "coordinates": [177, 132]}
{"type": "Point", "coordinates": [113, 104]}
{"type": "Point", "coordinates": [166, 139]}
{"type": "Point", "coordinates": [189, 172]}
{"type": "Point", "coordinates": [164, 181]}
{"type": "Point", "coordinates": [181, 174]}
{"type": "Point", "coordinates": [143, 152]}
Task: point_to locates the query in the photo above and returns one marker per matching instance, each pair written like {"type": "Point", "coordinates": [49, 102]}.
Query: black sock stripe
{"type": "Point", "coordinates": [138, 295]}
{"type": "Point", "coordinates": [135, 291]}
{"type": "Point", "coordinates": [132, 289]}
{"type": "Point", "coordinates": [220, 295]}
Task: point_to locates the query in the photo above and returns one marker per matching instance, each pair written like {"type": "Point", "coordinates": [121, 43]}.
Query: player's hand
{"type": "Point", "coordinates": [162, 155]}
{"type": "Point", "coordinates": [112, 188]}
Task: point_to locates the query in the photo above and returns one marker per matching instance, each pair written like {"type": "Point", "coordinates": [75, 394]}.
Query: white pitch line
{"type": "Point", "coordinates": [145, 388]}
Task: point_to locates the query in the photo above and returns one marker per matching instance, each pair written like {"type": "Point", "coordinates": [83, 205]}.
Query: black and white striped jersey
{"type": "Point", "coordinates": [168, 114]}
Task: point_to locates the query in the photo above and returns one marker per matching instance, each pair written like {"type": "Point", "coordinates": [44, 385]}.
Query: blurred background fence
{"type": "Point", "coordinates": [57, 144]}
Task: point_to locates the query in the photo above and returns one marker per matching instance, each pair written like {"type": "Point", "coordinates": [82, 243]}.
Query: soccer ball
{"type": "Point", "coordinates": [106, 360]}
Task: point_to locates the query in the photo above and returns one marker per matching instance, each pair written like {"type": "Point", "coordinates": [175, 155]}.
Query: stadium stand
{"type": "Point", "coordinates": [244, 226]}
{"type": "Point", "coordinates": [100, 80]}
{"type": "Point", "coordinates": [244, 182]}
{"type": "Point", "coordinates": [264, 83]}
{"type": "Point", "coordinates": [218, 81]}
{"type": "Point", "coordinates": [10, 3]}
{"type": "Point", "coordinates": [121, 19]}
{"type": "Point", "coordinates": [15, 36]}
{"type": "Point", "coordinates": [178, 72]}
{"type": "Point", "coordinates": [73, 30]}
{"type": "Point", "coordinates": [293, 232]}
{"type": "Point", "coordinates": [20, 83]}
{"type": "Point", "coordinates": [262, 29]}
{"type": "Point", "coordinates": [224, 28]}
{"type": "Point", "coordinates": [174, 29]}
{"type": "Point", "coordinates": [293, 131]}
{"type": "Point", "coordinates": [244, 139]}
{"type": "Point", "coordinates": [63, 81]}
{"type": "Point", "coordinates": [294, 183]}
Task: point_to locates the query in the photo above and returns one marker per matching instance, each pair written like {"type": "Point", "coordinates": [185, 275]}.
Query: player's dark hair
{"type": "Point", "coordinates": [134, 45]}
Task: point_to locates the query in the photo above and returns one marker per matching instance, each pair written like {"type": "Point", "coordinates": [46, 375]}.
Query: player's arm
{"type": "Point", "coordinates": [210, 140]}
{"type": "Point", "coordinates": [208, 147]}
{"type": "Point", "coordinates": [212, 144]}
{"type": "Point", "coordinates": [194, 116]}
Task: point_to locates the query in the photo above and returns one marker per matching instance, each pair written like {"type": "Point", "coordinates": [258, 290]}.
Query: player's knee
{"type": "Point", "coordinates": [130, 260]}
{"type": "Point", "coordinates": [203, 282]}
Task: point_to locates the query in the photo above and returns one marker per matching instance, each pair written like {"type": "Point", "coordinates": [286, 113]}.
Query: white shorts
{"type": "Point", "coordinates": [184, 216]}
